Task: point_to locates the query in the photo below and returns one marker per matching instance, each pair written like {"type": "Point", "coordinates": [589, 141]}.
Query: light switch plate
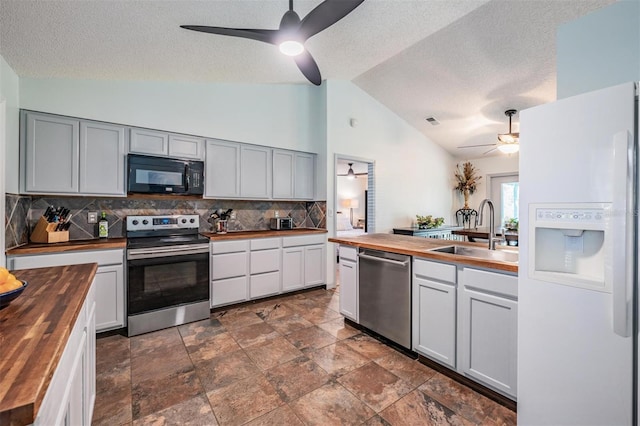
{"type": "Point", "coordinates": [92, 217]}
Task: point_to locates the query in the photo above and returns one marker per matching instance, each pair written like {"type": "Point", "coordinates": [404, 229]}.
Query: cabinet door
{"type": "Point", "coordinates": [102, 158]}
{"type": "Point", "coordinates": [292, 268]}
{"type": "Point", "coordinates": [489, 339]}
{"type": "Point", "coordinates": [227, 291]}
{"type": "Point", "coordinates": [109, 283]}
{"type": "Point", "coordinates": [349, 289]}
{"type": "Point", "coordinates": [434, 328]}
{"type": "Point", "coordinates": [186, 147]}
{"type": "Point", "coordinates": [264, 284]}
{"type": "Point", "coordinates": [305, 176]}
{"type": "Point", "coordinates": [149, 142]}
{"type": "Point", "coordinates": [314, 265]}
{"type": "Point", "coordinates": [255, 172]}
{"type": "Point", "coordinates": [222, 176]}
{"type": "Point", "coordinates": [51, 154]}
{"type": "Point", "coordinates": [90, 365]}
{"type": "Point", "coordinates": [283, 167]}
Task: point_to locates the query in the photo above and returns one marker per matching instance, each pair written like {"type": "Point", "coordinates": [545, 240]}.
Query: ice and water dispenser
{"type": "Point", "coordinates": [570, 243]}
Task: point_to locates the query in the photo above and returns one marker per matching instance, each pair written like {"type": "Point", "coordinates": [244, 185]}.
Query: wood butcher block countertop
{"type": "Point", "coordinates": [416, 246]}
{"type": "Point", "coordinates": [94, 244]}
{"type": "Point", "coordinates": [243, 235]}
{"type": "Point", "coordinates": [34, 330]}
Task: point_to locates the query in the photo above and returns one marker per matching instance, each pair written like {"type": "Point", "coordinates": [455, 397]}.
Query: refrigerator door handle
{"type": "Point", "coordinates": [622, 227]}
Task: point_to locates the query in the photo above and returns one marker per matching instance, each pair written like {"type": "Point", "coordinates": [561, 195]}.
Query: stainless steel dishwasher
{"type": "Point", "coordinates": [385, 294]}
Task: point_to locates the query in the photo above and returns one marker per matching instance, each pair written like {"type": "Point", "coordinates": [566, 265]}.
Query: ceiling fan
{"type": "Point", "coordinates": [507, 143]}
{"type": "Point", "coordinates": [293, 32]}
{"type": "Point", "coordinates": [351, 174]}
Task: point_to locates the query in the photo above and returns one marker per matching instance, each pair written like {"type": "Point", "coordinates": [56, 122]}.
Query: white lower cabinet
{"type": "Point", "coordinates": [488, 328]}
{"type": "Point", "coordinates": [303, 261]}
{"type": "Point", "coordinates": [70, 397]}
{"type": "Point", "coordinates": [434, 311]}
{"type": "Point", "coordinates": [349, 282]}
{"type": "Point", "coordinates": [109, 280]}
{"type": "Point", "coordinates": [292, 268]}
{"type": "Point", "coordinates": [229, 272]}
{"type": "Point", "coordinates": [265, 267]}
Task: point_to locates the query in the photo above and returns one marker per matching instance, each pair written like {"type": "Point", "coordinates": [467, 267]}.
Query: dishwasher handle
{"type": "Point", "coordinates": [382, 259]}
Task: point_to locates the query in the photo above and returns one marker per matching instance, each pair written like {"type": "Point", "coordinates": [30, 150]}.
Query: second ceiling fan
{"type": "Point", "coordinates": [293, 32]}
{"type": "Point", "coordinates": [507, 143]}
{"type": "Point", "coordinates": [351, 174]}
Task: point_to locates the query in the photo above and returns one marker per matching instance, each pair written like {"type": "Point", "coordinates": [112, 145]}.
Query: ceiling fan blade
{"type": "Point", "coordinates": [266, 36]}
{"type": "Point", "coordinates": [476, 146]}
{"type": "Point", "coordinates": [324, 15]}
{"type": "Point", "coordinates": [309, 68]}
{"type": "Point", "coordinates": [491, 150]}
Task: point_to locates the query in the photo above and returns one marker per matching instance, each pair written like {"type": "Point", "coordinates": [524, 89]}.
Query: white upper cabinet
{"type": "Point", "coordinates": [61, 155]}
{"type": "Point", "coordinates": [255, 172]}
{"type": "Point", "coordinates": [222, 174]}
{"type": "Point", "coordinates": [50, 153]}
{"type": "Point", "coordinates": [293, 175]}
{"type": "Point", "coordinates": [153, 142]}
{"type": "Point", "coordinates": [305, 176]}
{"type": "Point", "coordinates": [186, 147]}
{"type": "Point", "coordinates": [149, 142]}
{"type": "Point", "coordinates": [102, 158]}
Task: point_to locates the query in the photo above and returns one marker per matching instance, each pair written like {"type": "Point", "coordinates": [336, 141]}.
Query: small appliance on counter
{"type": "Point", "coordinates": [281, 223]}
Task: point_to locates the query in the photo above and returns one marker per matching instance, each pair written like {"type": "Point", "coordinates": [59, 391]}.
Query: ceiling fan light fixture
{"type": "Point", "coordinates": [291, 47]}
{"type": "Point", "coordinates": [509, 147]}
{"type": "Point", "coordinates": [509, 143]}
{"type": "Point", "coordinates": [350, 174]}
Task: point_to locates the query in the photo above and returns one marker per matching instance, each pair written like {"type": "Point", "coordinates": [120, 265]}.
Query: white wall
{"type": "Point", "coordinates": [411, 172]}
{"type": "Point", "coordinates": [486, 166]}
{"type": "Point", "coordinates": [599, 50]}
{"type": "Point", "coordinates": [9, 91]}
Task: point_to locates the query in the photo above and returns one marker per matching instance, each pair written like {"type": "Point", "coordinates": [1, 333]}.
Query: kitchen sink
{"type": "Point", "coordinates": [501, 255]}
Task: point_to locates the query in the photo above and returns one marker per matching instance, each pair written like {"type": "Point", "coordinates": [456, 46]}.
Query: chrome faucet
{"type": "Point", "coordinates": [492, 227]}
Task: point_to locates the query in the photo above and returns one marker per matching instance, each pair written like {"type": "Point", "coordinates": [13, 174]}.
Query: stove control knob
{"type": "Point", "coordinates": [135, 221]}
{"type": "Point", "coordinates": [184, 220]}
{"type": "Point", "coordinates": [192, 220]}
{"type": "Point", "coordinates": [145, 222]}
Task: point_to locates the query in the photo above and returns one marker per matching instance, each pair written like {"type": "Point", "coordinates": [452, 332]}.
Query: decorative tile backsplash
{"type": "Point", "coordinates": [23, 212]}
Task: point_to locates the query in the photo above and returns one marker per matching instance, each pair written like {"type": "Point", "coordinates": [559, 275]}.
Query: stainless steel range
{"type": "Point", "coordinates": [168, 272]}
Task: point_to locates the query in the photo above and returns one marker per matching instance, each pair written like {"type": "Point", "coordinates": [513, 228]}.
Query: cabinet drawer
{"type": "Point", "coordinates": [490, 281]}
{"type": "Point", "coordinates": [264, 284]}
{"type": "Point", "coordinates": [304, 240]}
{"type": "Point", "coordinates": [232, 290]}
{"type": "Point", "coordinates": [228, 265]}
{"type": "Point", "coordinates": [265, 243]}
{"type": "Point", "coordinates": [229, 246]}
{"type": "Point", "coordinates": [434, 270]}
{"type": "Point", "coordinates": [265, 261]}
{"type": "Point", "coordinates": [349, 253]}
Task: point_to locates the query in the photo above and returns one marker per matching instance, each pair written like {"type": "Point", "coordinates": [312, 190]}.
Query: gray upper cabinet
{"type": "Point", "coordinates": [50, 153]}
{"type": "Point", "coordinates": [255, 172]}
{"type": "Point", "coordinates": [283, 167]}
{"type": "Point", "coordinates": [305, 176]}
{"type": "Point", "coordinates": [293, 175]}
{"type": "Point", "coordinates": [102, 158]}
{"type": "Point", "coordinates": [149, 142]}
{"type": "Point", "coordinates": [152, 142]}
{"type": "Point", "coordinates": [186, 147]}
{"type": "Point", "coordinates": [222, 175]}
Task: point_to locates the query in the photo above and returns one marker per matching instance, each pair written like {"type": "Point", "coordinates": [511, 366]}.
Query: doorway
{"type": "Point", "coordinates": [354, 196]}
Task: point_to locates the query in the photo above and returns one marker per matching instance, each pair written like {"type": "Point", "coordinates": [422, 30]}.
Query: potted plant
{"type": "Point", "coordinates": [511, 224]}
{"type": "Point", "coordinates": [466, 180]}
{"type": "Point", "coordinates": [428, 222]}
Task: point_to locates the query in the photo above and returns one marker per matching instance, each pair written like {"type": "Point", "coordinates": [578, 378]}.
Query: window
{"type": "Point", "coordinates": [505, 194]}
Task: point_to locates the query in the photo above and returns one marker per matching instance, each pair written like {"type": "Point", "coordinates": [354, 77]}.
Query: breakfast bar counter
{"type": "Point", "coordinates": [34, 330]}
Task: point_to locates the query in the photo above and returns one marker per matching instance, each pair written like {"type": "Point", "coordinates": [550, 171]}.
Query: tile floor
{"type": "Point", "coordinates": [286, 361]}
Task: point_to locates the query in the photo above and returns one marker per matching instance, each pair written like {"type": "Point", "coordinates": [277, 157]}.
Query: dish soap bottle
{"type": "Point", "coordinates": [103, 226]}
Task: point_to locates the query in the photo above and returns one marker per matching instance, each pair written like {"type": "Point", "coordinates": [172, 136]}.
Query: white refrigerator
{"type": "Point", "coordinates": [578, 269]}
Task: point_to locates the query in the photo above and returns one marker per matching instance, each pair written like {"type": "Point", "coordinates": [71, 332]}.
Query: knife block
{"type": "Point", "coordinates": [45, 232]}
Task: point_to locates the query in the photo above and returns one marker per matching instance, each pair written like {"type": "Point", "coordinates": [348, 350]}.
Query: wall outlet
{"type": "Point", "coordinates": [92, 217]}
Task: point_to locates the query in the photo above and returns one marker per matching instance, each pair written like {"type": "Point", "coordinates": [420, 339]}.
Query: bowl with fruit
{"type": "Point", "coordinates": [10, 287]}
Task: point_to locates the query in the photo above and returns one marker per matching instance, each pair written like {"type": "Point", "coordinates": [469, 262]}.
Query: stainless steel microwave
{"type": "Point", "coordinates": [158, 175]}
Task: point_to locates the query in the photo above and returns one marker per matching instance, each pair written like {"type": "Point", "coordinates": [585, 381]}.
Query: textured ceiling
{"type": "Point", "coordinates": [463, 61]}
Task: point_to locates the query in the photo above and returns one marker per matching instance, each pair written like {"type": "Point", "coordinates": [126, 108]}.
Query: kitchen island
{"type": "Point", "coordinates": [43, 334]}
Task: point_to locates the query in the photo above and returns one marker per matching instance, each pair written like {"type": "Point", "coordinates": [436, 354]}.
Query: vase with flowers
{"type": "Point", "coordinates": [466, 180]}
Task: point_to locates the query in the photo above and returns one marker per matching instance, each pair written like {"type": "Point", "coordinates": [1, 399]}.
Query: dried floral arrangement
{"type": "Point", "coordinates": [466, 180]}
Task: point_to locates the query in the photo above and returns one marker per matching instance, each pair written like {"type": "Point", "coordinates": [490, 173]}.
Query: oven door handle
{"type": "Point", "coordinates": [181, 250]}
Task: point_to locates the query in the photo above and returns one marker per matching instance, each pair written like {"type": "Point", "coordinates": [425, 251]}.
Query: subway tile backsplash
{"type": "Point", "coordinates": [22, 213]}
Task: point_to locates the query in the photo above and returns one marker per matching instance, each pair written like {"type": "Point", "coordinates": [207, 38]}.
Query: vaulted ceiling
{"type": "Point", "coordinates": [463, 61]}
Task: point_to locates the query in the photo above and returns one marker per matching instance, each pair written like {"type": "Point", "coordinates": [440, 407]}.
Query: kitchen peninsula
{"type": "Point", "coordinates": [47, 368]}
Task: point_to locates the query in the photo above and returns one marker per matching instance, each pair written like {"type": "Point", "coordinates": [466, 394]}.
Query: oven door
{"type": "Point", "coordinates": [157, 175]}
{"type": "Point", "coordinates": [163, 277]}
